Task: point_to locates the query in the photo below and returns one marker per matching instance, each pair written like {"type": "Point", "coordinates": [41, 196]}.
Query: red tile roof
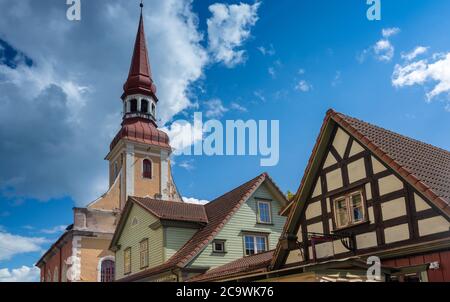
{"type": "Point", "coordinates": [219, 212]}
{"type": "Point", "coordinates": [243, 265]}
{"type": "Point", "coordinates": [172, 210]}
{"type": "Point", "coordinates": [425, 165]}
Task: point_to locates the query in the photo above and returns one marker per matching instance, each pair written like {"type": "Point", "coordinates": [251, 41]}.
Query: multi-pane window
{"type": "Point", "coordinates": [107, 271]}
{"type": "Point", "coordinates": [349, 209]}
{"type": "Point", "coordinates": [264, 212]}
{"type": "Point", "coordinates": [255, 244]}
{"type": "Point", "coordinates": [219, 246]}
{"type": "Point", "coordinates": [127, 261]}
{"type": "Point", "coordinates": [143, 252]}
{"type": "Point", "coordinates": [147, 168]}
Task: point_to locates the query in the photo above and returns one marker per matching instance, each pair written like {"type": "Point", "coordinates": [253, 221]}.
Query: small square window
{"type": "Point", "coordinates": [219, 246]}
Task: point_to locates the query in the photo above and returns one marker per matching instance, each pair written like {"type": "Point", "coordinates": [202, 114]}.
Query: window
{"type": "Point", "coordinates": [219, 246]}
{"type": "Point", "coordinates": [264, 212]}
{"type": "Point", "coordinates": [133, 105]}
{"type": "Point", "coordinates": [153, 109]}
{"type": "Point", "coordinates": [147, 168]}
{"type": "Point", "coordinates": [127, 261]}
{"type": "Point", "coordinates": [144, 106]}
{"type": "Point", "coordinates": [349, 209]}
{"type": "Point", "coordinates": [143, 252]}
{"type": "Point", "coordinates": [254, 244]}
{"type": "Point", "coordinates": [107, 271]}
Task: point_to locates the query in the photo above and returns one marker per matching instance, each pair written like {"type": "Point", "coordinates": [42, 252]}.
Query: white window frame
{"type": "Point", "coordinates": [258, 202]}
{"type": "Point", "coordinates": [347, 197]}
{"type": "Point", "coordinates": [255, 245]}
{"type": "Point", "coordinates": [222, 242]}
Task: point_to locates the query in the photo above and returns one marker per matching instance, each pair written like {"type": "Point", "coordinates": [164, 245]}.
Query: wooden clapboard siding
{"type": "Point", "coordinates": [397, 214]}
{"type": "Point", "coordinates": [243, 220]}
{"type": "Point", "coordinates": [131, 236]}
{"type": "Point", "coordinates": [174, 239]}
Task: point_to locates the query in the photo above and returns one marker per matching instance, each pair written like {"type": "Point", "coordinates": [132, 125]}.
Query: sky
{"type": "Point", "coordinates": [285, 60]}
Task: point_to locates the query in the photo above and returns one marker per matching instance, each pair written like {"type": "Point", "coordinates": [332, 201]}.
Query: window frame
{"type": "Point", "coordinates": [141, 252]}
{"type": "Point", "coordinates": [258, 216]}
{"type": "Point", "coordinates": [255, 245]}
{"type": "Point", "coordinates": [218, 241]}
{"type": "Point", "coordinates": [144, 175]}
{"type": "Point", "coordinates": [127, 264]}
{"type": "Point", "coordinates": [347, 197]}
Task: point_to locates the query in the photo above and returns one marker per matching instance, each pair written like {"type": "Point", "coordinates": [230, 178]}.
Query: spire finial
{"type": "Point", "coordinates": [141, 5]}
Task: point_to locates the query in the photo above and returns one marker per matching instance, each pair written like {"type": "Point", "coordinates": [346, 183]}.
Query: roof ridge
{"type": "Point", "coordinates": [392, 132]}
{"type": "Point", "coordinates": [235, 189]}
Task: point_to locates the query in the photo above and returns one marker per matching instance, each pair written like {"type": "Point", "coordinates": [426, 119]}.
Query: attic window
{"type": "Point", "coordinates": [264, 212]}
{"type": "Point", "coordinates": [218, 246]}
{"type": "Point", "coordinates": [134, 222]}
{"type": "Point", "coordinates": [349, 209]}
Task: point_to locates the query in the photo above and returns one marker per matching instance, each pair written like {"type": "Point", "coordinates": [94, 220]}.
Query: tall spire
{"type": "Point", "coordinates": [140, 76]}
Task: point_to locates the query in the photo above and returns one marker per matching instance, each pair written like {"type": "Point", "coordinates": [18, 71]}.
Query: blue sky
{"type": "Point", "coordinates": [287, 60]}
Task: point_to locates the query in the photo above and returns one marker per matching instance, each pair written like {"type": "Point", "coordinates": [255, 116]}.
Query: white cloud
{"type": "Point", "coordinates": [54, 230]}
{"type": "Point", "coordinates": [187, 164]}
{"type": "Point", "coordinates": [12, 245]}
{"type": "Point", "coordinates": [194, 200]}
{"type": "Point", "coordinates": [389, 32]}
{"type": "Point", "coordinates": [337, 79]}
{"type": "Point", "coordinates": [301, 71]}
{"type": "Point", "coordinates": [421, 72]}
{"type": "Point", "coordinates": [22, 274]}
{"type": "Point", "coordinates": [238, 107]}
{"type": "Point", "coordinates": [419, 50]}
{"type": "Point", "coordinates": [260, 95]}
{"type": "Point", "coordinates": [267, 51]}
{"type": "Point", "coordinates": [272, 72]}
{"type": "Point", "coordinates": [69, 100]}
{"type": "Point", "coordinates": [303, 86]}
{"type": "Point", "coordinates": [228, 28]}
{"type": "Point", "coordinates": [183, 135]}
{"type": "Point", "coordinates": [383, 50]}
{"type": "Point", "coordinates": [214, 108]}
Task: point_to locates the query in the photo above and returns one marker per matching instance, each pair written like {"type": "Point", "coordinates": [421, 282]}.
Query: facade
{"type": "Point", "coordinates": [159, 240]}
{"type": "Point", "coordinates": [139, 165]}
{"type": "Point", "coordinates": [366, 192]}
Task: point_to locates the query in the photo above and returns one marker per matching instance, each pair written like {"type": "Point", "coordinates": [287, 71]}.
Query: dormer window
{"type": "Point", "coordinates": [147, 169]}
{"type": "Point", "coordinates": [144, 106]}
{"type": "Point", "coordinates": [133, 105]}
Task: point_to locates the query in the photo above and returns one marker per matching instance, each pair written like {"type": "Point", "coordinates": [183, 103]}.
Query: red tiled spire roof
{"type": "Point", "coordinates": [140, 75]}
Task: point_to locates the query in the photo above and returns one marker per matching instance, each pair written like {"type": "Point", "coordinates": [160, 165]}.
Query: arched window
{"type": "Point", "coordinates": [144, 106]}
{"type": "Point", "coordinates": [153, 109]}
{"type": "Point", "coordinates": [133, 105]}
{"type": "Point", "coordinates": [107, 271]}
{"type": "Point", "coordinates": [147, 168]}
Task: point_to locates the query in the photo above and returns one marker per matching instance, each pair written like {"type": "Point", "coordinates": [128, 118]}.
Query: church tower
{"type": "Point", "coordinates": [139, 153]}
